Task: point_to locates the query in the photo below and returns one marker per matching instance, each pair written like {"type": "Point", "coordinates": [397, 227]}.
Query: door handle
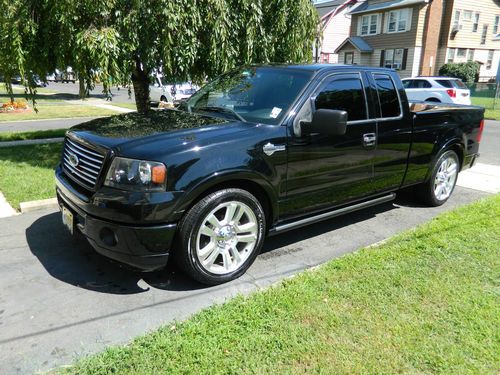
{"type": "Point", "coordinates": [369, 139]}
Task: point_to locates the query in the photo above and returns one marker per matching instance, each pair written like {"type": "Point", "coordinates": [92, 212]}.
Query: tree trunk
{"type": "Point", "coordinates": [82, 90]}
{"type": "Point", "coordinates": [141, 88]}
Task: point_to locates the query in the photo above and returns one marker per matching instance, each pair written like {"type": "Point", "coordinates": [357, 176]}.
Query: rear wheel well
{"type": "Point", "coordinates": [458, 149]}
{"type": "Point", "coordinates": [252, 187]}
{"type": "Point", "coordinates": [436, 100]}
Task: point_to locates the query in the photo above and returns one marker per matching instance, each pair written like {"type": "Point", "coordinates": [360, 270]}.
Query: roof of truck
{"type": "Point", "coordinates": [323, 67]}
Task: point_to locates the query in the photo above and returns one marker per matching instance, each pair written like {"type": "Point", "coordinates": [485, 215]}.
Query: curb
{"type": "Point", "coordinates": [38, 205]}
{"type": "Point", "coordinates": [31, 142]}
{"type": "Point", "coordinates": [6, 209]}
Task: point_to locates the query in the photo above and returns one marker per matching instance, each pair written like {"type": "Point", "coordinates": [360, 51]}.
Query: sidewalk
{"type": "Point", "coordinates": [30, 125]}
{"type": "Point", "coordinates": [482, 177]}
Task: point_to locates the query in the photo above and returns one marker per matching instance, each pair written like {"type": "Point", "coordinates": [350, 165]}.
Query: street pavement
{"type": "Point", "coordinates": [32, 125]}
{"type": "Point", "coordinates": [59, 300]}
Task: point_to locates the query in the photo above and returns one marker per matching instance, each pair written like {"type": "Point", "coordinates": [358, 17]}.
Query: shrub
{"type": "Point", "coordinates": [467, 72]}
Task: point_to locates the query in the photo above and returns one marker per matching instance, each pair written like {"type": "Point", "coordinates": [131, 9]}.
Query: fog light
{"type": "Point", "coordinates": [108, 237]}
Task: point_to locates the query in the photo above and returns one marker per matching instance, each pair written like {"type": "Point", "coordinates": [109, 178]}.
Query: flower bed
{"type": "Point", "coordinates": [15, 106]}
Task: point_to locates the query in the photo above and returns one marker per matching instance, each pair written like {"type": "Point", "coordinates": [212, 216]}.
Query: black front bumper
{"type": "Point", "coordinates": [145, 247]}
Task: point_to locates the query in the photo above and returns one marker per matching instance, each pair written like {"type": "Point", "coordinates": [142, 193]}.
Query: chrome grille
{"type": "Point", "coordinates": [82, 163]}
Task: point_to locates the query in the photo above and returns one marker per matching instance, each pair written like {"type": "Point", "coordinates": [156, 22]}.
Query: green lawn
{"type": "Point", "coordinates": [427, 301]}
{"type": "Point", "coordinates": [39, 134]}
{"type": "Point", "coordinates": [27, 172]}
{"type": "Point", "coordinates": [491, 114]}
{"type": "Point", "coordinates": [124, 105]}
{"type": "Point", "coordinates": [57, 111]}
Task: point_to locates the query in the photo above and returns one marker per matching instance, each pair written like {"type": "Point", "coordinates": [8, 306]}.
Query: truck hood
{"type": "Point", "coordinates": [135, 135]}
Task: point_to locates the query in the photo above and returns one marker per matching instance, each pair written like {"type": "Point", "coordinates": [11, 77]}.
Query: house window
{"type": "Point", "coordinates": [470, 56]}
{"type": "Point", "coordinates": [485, 33]}
{"type": "Point", "coordinates": [467, 15]}
{"type": "Point", "coordinates": [495, 26]}
{"type": "Point", "coordinates": [393, 58]}
{"type": "Point", "coordinates": [475, 25]}
{"type": "Point", "coordinates": [451, 55]}
{"type": "Point", "coordinates": [461, 53]}
{"type": "Point", "coordinates": [349, 58]}
{"type": "Point", "coordinates": [456, 22]}
{"type": "Point", "coordinates": [369, 24]}
{"type": "Point", "coordinates": [398, 21]}
{"type": "Point", "coordinates": [489, 62]}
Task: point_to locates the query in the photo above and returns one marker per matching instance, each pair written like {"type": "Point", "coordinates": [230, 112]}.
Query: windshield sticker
{"type": "Point", "coordinates": [275, 112]}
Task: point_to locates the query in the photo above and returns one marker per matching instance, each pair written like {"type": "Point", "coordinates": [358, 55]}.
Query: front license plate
{"type": "Point", "coordinates": [67, 219]}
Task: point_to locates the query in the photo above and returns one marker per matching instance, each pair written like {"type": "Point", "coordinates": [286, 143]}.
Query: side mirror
{"type": "Point", "coordinates": [326, 121]}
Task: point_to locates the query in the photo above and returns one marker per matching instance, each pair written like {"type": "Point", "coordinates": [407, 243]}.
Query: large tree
{"type": "Point", "coordinates": [123, 41]}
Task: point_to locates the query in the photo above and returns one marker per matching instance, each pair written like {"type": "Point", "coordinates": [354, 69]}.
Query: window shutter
{"type": "Point", "coordinates": [382, 58]}
{"type": "Point", "coordinates": [405, 58]}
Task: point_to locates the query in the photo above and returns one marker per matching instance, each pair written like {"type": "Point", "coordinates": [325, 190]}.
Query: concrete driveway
{"type": "Point", "coordinates": [59, 300]}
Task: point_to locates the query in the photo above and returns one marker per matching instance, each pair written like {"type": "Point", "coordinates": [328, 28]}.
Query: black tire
{"type": "Point", "coordinates": [426, 192]}
{"type": "Point", "coordinates": [185, 252]}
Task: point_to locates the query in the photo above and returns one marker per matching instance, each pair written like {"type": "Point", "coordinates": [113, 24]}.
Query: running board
{"type": "Point", "coordinates": [330, 214]}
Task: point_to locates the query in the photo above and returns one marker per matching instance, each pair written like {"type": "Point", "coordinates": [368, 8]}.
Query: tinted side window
{"type": "Point", "coordinates": [388, 96]}
{"type": "Point", "coordinates": [344, 94]}
{"type": "Point", "coordinates": [423, 84]}
{"type": "Point", "coordinates": [408, 84]}
{"type": "Point", "coordinates": [445, 83]}
{"type": "Point", "coordinates": [459, 84]}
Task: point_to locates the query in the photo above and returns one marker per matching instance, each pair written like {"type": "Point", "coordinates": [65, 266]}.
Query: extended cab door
{"type": "Point", "coordinates": [328, 170]}
{"type": "Point", "coordinates": [394, 127]}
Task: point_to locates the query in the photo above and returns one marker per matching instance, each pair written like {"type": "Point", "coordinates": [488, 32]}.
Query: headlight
{"type": "Point", "coordinates": [136, 175]}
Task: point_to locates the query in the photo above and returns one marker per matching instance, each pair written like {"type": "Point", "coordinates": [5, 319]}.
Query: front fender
{"type": "Point", "coordinates": [249, 180]}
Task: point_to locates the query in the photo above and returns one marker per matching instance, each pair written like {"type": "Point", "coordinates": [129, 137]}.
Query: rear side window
{"type": "Point", "coordinates": [445, 83]}
{"type": "Point", "coordinates": [388, 96]}
{"type": "Point", "coordinates": [459, 84]}
{"type": "Point", "coordinates": [344, 94]}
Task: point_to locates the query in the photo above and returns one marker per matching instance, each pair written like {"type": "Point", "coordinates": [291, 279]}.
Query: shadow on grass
{"type": "Point", "coordinates": [42, 156]}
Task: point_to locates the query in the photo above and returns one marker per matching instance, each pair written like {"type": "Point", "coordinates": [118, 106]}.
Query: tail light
{"type": "Point", "coordinates": [480, 133]}
{"type": "Point", "coordinates": [452, 93]}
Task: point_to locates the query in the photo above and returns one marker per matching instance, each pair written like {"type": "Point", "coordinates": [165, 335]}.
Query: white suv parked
{"type": "Point", "coordinates": [437, 89]}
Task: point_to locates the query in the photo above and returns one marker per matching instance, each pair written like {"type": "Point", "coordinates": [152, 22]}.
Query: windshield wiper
{"type": "Point", "coordinates": [226, 110]}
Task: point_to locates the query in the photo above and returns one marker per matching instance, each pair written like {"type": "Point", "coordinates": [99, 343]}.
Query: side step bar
{"type": "Point", "coordinates": [328, 215]}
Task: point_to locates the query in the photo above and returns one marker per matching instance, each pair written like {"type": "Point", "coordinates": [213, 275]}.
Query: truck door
{"type": "Point", "coordinates": [394, 127]}
{"type": "Point", "coordinates": [328, 170]}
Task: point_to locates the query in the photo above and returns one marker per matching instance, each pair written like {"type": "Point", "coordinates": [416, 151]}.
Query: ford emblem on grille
{"type": "Point", "coordinates": [73, 159]}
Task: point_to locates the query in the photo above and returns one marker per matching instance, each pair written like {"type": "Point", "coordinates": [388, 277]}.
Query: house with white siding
{"type": "Point", "coordinates": [336, 25]}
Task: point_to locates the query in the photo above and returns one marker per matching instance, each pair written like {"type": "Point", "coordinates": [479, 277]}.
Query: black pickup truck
{"type": "Point", "coordinates": [258, 151]}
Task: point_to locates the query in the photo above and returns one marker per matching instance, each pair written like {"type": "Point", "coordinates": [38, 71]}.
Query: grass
{"type": "Point", "coordinates": [491, 114]}
{"type": "Point", "coordinates": [57, 111]}
{"type": "Point", "coordinates": [39, 134]}
{"type": "Point", "coordinates": [125, 105]}
{"type": "Point", "coordinates": [27, 172]}
{"type": "Point", "coordinates": [427, 301]}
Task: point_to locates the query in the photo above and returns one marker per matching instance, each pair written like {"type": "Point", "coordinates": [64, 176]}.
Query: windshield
{"type": "Point", "coordinates": [257, 94]}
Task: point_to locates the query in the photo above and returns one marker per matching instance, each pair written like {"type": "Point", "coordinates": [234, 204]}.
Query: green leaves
{"type": "Point", "coordinates": [108, 40]}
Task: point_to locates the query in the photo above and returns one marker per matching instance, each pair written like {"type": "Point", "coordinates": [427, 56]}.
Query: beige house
{"type": "Point", "coordinates": [471, 32]}
{"type": "Point", "coordinates": [416, 37]}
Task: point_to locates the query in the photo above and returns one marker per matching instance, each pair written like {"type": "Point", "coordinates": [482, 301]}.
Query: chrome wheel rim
{"type": "Point", "coordinates": [445, 178]}
{"type": "Point", "coordinates": [227, 237]}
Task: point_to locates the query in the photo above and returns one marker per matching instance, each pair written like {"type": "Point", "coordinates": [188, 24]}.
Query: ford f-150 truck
{"type": "Point", "coordinates": [258, 151]}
